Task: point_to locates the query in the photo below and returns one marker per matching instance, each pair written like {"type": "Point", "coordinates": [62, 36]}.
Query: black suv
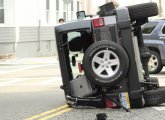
{"type": "Point", "coordinates": [101, 59]}
{"type": "Point", "coordinates": [154, 38]}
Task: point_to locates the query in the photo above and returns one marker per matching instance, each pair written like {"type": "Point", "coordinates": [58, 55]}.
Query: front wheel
{"type": "Point", "coordinates": [155, 63]}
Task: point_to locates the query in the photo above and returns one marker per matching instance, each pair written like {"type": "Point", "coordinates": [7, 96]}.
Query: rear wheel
{"type": "Point", "coordinates": [105, 63]}
{"type": "Point", "coordinates": [155, 63]}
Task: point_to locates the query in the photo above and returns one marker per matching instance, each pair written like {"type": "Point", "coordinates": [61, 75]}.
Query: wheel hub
{"type": "Point", "coordinates": [105, 63]}
{"type": "Point", "coordinates": [153, 63]}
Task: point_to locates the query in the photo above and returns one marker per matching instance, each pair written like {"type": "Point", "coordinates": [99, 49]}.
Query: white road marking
{"type": "Point", "coordinates": [161, 108]}
{"type": "Point", "coordinates": [50, 81]}
{"type": "Point", "coordinates": [159, 76]}
{"type": "Point", "coordinates": [15, 81]}
{"type": "Point", "coordinates": [21, 69]}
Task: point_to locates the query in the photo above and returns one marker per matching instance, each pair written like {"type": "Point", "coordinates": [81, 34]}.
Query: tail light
{"type": "Point", "coordinates": [99, 22]}
{"type": "Point", "coordinates": [80, 67]}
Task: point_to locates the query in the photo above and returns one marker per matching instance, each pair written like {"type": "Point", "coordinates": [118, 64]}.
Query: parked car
{"type": "Point", "coordinates": [154, 38]}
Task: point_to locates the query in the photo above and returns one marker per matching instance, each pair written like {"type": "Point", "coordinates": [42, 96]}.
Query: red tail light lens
{"type": "Point", "coordinates": [98, 22]}
{"type": "Point", "coordinates": [80, 67]}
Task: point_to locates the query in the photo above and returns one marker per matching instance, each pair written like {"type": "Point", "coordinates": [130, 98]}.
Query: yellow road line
{"type": "Point", "coordinates": [56, 114]}
{"type": "Point", "coordinates": [47, 112]}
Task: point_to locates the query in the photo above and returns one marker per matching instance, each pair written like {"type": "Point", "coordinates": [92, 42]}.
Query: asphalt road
{"type": "Point", "coordinates": [31, 92]}
{"type": "Point", "coordinates": [29, 89]}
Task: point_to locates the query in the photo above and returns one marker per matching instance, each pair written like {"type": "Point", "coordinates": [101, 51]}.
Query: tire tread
{"type": "Point", "coordinates": [143, 10]}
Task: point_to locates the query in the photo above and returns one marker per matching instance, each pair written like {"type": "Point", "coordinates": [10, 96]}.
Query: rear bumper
{"type": "Point", "coordinates": [95, 102]}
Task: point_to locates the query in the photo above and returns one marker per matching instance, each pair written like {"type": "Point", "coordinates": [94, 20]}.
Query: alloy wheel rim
{"type": "Point", "coordinates": [105, 63]}
{"type": "Point", "coordinates": [153, 63]}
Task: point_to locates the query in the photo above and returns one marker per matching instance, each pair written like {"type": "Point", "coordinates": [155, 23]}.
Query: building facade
{"type": "Point", "coordinates": [27, 26]}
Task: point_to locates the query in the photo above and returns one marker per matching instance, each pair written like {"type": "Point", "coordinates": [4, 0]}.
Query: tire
{"type": "Point", "coordinates": [100, 69]}
{"type": "Point", "coordinates": [155, 63]}
{"type": "Point", "coordinates": [154, 97]}
{"type": "Point", "coordinates": [144, 10]}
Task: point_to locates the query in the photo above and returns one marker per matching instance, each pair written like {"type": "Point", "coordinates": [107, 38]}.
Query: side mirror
{"type": "Point", "coordinates": [81, 14]}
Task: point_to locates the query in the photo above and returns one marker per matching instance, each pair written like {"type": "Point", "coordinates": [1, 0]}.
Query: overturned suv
{"type": "Point", "coordinates": [104, 62]}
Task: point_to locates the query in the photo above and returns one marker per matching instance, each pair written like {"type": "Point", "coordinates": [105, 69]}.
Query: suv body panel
{"type": "Point", "coordinates": [156, 40]}
{"type": "Point", "coordinates": [122, 26]}
{"type": "Point", "coordinates": [74, 25]}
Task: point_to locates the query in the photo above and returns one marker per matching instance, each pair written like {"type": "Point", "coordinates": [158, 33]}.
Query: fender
{"type": "Point", "coordinates": [159, 45]}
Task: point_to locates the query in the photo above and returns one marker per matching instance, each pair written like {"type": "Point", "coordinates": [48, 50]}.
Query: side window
{"type": "Point", "coordinates": [163, 30]}
{"type": "Point", "coordinates": [79, 41]}
{"type": "Point", "coordinates": [149, 27]}
{"type": "Point", "coordinates": [47, 11]}
{"type": "Point", "coordinates": [72, 35]}
{"type": "Point", "coordinates": [78, 6]}
{"type": "Point", "coordinates": [75, 51]}
{"type": "Point", "coordinates": [1, 11]}
{"type": "Point", "coordinates": [75, 41]}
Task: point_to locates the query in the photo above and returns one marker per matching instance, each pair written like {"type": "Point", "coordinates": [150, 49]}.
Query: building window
{"type": "Point", "coordinates": [47, 10]}
{"type": "Point", "coordinates": [64, 15]}
{"type": "Point", "coordinates": [57, 10]}
{"type": "Point", "coordinates": [72, 16]}
{"type": "Point", "coordinates": [47, 5]}
{"type": "Point", "coordinates": [65, 10]}
{"type": "Point", "coordinates": [57, 5]}
{"type": "Point", "coordinates": [57, 17]}
{"type": "Point", "coordinates": [78, 5]}
{"type": "Point", "coordinates": [72, 6]}
{"type": "Point", "coordinates": [1, 11]}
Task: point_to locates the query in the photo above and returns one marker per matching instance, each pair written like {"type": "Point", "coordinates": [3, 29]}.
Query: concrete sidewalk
{"type": "Point", "coordinates": [30, 60]}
